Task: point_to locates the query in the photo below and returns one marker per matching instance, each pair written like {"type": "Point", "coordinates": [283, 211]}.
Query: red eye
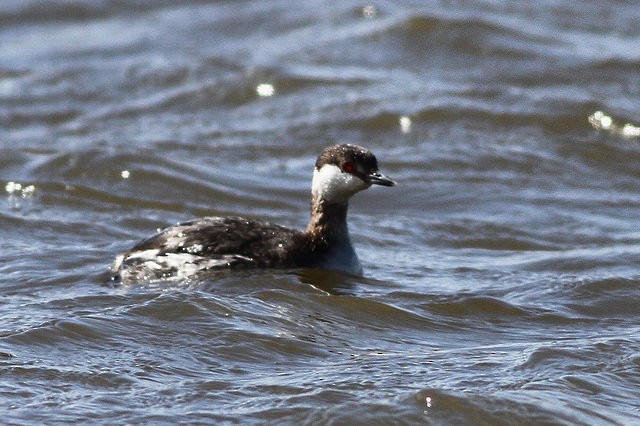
{"type": "Point", "coordinates": [348, 167]}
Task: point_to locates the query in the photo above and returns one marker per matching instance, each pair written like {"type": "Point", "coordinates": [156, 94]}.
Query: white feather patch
{"type": "Point", "coordinates": [332, 184]}
{"type": "Point", "coordinates": [149, 265]}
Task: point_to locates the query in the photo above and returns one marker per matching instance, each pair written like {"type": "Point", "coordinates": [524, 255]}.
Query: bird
{"type": "Point", "coordinates": [230, 243]}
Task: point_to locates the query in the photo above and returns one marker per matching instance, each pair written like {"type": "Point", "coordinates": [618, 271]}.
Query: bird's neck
{"type": "Point", "coordinates": [328, 222]}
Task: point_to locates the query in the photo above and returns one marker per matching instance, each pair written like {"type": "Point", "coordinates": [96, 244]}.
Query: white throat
{"type": "Point", "coordinates": [332, 184]}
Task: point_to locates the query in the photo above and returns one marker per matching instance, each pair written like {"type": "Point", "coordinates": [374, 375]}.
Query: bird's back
{"type": "Point", "coordinates": [205, 244]}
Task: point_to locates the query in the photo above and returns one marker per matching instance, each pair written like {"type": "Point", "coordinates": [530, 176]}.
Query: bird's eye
{"type": "Point", "coordinates": [348, 167]}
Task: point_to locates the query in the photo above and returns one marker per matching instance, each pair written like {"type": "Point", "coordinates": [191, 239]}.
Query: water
{"type": "Point", "coordinates": [501, 275]}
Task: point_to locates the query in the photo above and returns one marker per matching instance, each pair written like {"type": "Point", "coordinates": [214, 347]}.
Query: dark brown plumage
{"type": "Point", "coordinates": [235, 242]}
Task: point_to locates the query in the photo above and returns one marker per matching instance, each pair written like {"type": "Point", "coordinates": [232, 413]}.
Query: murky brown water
{"type": "Point", "coordinates": [501, 276]}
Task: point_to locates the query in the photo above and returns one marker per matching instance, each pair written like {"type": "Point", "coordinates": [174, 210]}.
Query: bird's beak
{"type": "Point", "coordinates": [377, 178]}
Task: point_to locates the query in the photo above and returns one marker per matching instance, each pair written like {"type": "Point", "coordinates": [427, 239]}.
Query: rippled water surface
{"type": "Point", "coordinates": [501, 275]}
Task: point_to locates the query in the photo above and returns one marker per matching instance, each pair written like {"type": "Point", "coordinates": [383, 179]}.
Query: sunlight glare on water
{"type": "Point", "coordinates": [265, 90]}
{"type": "Point", "coordinates": [405, 124]}
{"type": "Point", "coordinates": [600, 121]}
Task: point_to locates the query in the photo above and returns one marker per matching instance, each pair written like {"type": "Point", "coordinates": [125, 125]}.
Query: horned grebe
{"type": "Point", "coordinates": [235, 242]}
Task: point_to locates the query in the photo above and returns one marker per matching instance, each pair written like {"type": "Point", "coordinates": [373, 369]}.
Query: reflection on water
{"type": "Point", "coordinates": [331, 282]}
